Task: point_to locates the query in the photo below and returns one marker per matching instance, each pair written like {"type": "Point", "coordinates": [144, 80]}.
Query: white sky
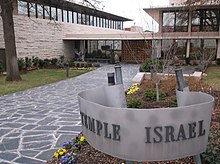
{"type": "Point", "coordinates": [133, 9]}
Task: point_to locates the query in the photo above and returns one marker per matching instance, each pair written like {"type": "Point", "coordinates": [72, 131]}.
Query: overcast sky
{"type": "Point", "coordinates": [133, 9]}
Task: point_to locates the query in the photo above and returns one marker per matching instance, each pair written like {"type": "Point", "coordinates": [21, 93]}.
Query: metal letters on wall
{"type": "Point", "coordinates": [145, 134]}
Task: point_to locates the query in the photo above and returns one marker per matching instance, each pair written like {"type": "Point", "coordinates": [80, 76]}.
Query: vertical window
{"type": "Point", "coordinates": [40, 10]}
{"type": "Point", "coordinates": [196, 21]}
{"type": "Point", "coordinates": [75, 17]}
{"type": "Point", "coordinates": [181, 21]}
{"type": "Point", "coordinates": [211, 20]}
{"type": "Point", "coordinates": [205, 20]}
{"type": "Point", "coordinates": [53, 13]}
{"type": "Point", "coordinates": [168, 21]}
{"type": "Point", "coordinates": [32, 9]}
{"type": "Point", "coordinates": [47, 12]}
{"type": "Point", "coordinates": [92, 19]}
{"type": "Point", "coordinates": [83, 19]}
{"type": "Point", "coordinates": [70, 17]}
{"type": "Point", "coordinates": [65, 16]}
{"type": "Point", "coordinates": [22, 7]}
{"type": "Point", "coordinates": [59, 12]}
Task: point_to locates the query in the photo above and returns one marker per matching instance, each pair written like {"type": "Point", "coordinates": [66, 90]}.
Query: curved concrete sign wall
{"type": "Point", "coordinates": [145, 134]}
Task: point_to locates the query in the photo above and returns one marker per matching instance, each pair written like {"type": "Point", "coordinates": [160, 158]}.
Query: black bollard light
{"type": "Point", "coordinates": [118, 74]}
{"type": "Point", "coordinates": [67, 70]}
{"type": "Point", "coordinates": [111, 79]}
{"type": "Point", "coordinates": [180, 79]}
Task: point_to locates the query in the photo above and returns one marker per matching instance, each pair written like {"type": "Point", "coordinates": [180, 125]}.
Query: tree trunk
{"type": "Point", "coordinates": [9, 37]}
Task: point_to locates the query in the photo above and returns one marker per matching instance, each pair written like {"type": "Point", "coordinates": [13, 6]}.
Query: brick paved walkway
{"type": "Point", "coordinates": [35, 122]}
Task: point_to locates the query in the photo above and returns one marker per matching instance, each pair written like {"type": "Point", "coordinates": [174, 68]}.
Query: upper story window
{"type": "Point", "coordinates": [61, 14]}
{"type": "Point", "coordinates": [175, 21]}
{"type": "Point", "coordinates": [181, 23]}
{"type": "Point", "coordinates": [205, 20]}
{"type": "Point", "coordinates": [168, 21]}
{"type": "Point", "coordinates": [22, 7]}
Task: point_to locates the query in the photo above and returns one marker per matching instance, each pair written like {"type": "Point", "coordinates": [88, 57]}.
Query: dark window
{"type": "Point", "coordinates": [205, 20]}
{"type": "Point", "coordinates": [175, 21]}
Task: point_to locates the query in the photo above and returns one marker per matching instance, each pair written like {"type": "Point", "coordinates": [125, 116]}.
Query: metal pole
{"type": "Point", "coordinates": [118, 74]}
{"type": "Point", "coordinates": [67, 70]}
{"type": "Point", "coordinates": [197, 159]}
{"type": "Point", "coordinates": [181, 86]}
{"type": "Point", "coordinates": [180, 79]}
{"type": "Point", "coordinates": [111, 79]}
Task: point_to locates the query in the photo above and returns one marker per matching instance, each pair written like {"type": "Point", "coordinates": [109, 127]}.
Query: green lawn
{"type": "Point", "coordinates": [213, 77]}
{"type": "Point", "coordinates": [36, 78]}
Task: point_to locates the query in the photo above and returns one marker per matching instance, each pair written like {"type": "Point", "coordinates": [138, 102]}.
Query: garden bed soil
{"type": "Point", "coordinates": [89, 155]}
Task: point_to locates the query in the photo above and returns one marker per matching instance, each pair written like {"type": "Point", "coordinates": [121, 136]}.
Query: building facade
{"type": "Point", "coordinates": [192, 30]}
{"type": "Point", "coordinates": [60, 28]}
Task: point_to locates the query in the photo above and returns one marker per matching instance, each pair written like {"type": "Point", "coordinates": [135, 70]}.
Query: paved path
{"type": "Point", "coordinates": [35, 122]}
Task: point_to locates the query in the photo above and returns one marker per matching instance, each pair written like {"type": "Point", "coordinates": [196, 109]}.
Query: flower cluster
{"type": "Point", "coordinates": [68, 153]}
{"type": "Point", "coordinates": [132, 89]}
{"type": "Point", "coordinates": [59, 152]}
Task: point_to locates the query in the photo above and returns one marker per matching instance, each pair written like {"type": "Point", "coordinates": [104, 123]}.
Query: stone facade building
{"type": "Point", "coordinates": [60, 28]}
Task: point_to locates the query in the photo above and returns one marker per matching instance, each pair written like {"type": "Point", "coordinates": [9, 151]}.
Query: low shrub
{"type": "Point", "coordinates": [147, 65]}
{"type": "Point", "coordinates": [54, 61]}
{"type": "Point", "coordinates": [218, 62]}
{"type": "Point", "coordinates": [77, 64]}
{"type": "Point", "coordinates": [211, 155]}
{"type": "Point", "coordinates": [21, 64]}
{"type": "Point", "coordinates": [151, 94]}
{"type": "Point", "coordinates": [96, 65]}
{"type": "Point", "coordinates": [41, 63]}
{"type": "Point", "coordinates": [187, 60]}
{"type": "Point", "coordinates": [35, 61]}
{"type": "Point", "coordinates": [134, 103]}
{"type": "Point", "coordinates": [173, 101]}
{"type": "Point", "coordinates": [89, 64]}
{"type": "Point", "coordinates": [28, 62]}
{"type": "Point", "coordinates": [47, 62]}
{"type": "Point", "coordinates": [1, 67]}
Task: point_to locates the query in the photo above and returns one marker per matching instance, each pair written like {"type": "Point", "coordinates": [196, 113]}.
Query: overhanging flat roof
{"type": "Point", "coordinates": [65, 5]}
{"type": "Point", "coordinates": [155, 11]}
{"type": "Point", "coordinates": [181, 8]}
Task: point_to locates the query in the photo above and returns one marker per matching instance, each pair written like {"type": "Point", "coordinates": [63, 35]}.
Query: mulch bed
{"type": "Point", "coordinates": [89, 155]}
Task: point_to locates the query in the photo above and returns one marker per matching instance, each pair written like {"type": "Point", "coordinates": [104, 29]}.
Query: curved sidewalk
{"type": "Point", "coordinates": [35, 122]}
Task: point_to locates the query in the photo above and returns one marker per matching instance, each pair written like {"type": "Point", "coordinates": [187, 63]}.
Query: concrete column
{"type": "Point", "coordinates": [82, 45]}
{"type": "Point", "coordinates": [160, 21]}
{"type": "Point", "coordinates": [188, 48]}
{"type": "Point", "coordinates": [190, 23]}
{"type": "Point", "coordinates": [218, 51]}
{"type": "Point", "coordinates": [159, 48]}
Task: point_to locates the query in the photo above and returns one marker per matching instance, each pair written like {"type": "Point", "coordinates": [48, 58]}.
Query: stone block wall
{"type": "Point", "coordinates": [40, 38]}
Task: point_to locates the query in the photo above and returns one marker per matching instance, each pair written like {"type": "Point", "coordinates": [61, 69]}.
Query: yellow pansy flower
{"type": "Point", "coordinates": [56, 155]}
{"type": "Point", "coordinates": [82, 139]}
{"type": "Point", "coordinates": [64, 150]}
{"type": "Point", "coordinates": [61, 153]}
